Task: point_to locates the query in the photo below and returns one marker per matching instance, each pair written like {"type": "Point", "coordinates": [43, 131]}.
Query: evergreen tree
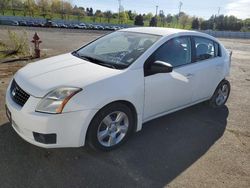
{"type": "Point", "coordinates": [139, 20]}
{"type": "Point", "coordinates": [153, 22]}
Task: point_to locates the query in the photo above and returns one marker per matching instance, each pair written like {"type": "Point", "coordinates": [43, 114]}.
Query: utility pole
{"type": "Point", "coordinates": [156, 11]}
{"type": "Point", "coordinates": [62, 9]}
{"type": "Point", "coordinates": [119, 11]}
{"type": "Point", "coordinates": [29, 8]}
{"type": "Point", "coordinates": [12, 7]}
{"type": "Point", "coordinates": [218, 14]}
{"type": "Point", "coordinates": [180, 5]}
{"type": "Point", "coordinates": [218, 11]}
{"type": "Point", "coordinates": [161, 14]}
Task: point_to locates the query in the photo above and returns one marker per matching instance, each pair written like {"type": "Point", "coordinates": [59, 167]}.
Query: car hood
{"type": "Point", "coordinates": [43, 76]}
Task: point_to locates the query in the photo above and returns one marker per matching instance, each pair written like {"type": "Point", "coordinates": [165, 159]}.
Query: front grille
{"type": "Point", "coordinates": [18, 94]}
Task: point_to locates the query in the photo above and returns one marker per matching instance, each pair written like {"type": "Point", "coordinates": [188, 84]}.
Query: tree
{"type": "Point", "coordinates": [169, 18]}
{"type": "Point", "coordinates": [115, 15]}
{"type": "Point", "coordinates": [195, 23]}
{"type": "Point", "coordinates": [123, 17]}
{"type": "Point", "coordinates": [246, 25]}
{"type": "Point", "coordinates": [162, 18]}
{"type": "Point", "coordinates": [15, 5]}
{"type": "Point", "coordinates": [153, 22]}
{"type": "Point", "coordinates": [108, 15]}
{"type": "Point", "coordinates": [205, 25]}
{"type": "Point", "coordinates": [79, 12]}
{"type": "Point", "coordinates": [4, 4]}
{"type": "Point", "coordinates": [234, 24]}
{"type": "Point", "coordinates": [184, 20]}
{"type": "Point", "coordinates": [99, 14]}
{"type": "Point", "coordinates": [44, 7]}
{"type": "Point", "coordinates": [67, 8]}
{"type": "Point", "coordinates": [148, 16]}
{"type": "Point", "coordinates": [56, 6]}
{"type": "Point", "coordinates": [139, 20]}
{"type": "Point", "coordinates": [225, 23]}
{"type": "Point", "coordinates": [89, 12]}
{"type": "Point", "coordinates": [29, 7]}
{"type": "Point", "coordinates": [131, 15]}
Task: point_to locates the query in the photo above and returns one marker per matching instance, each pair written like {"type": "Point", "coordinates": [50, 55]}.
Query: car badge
{"type": "Point", "coordinates": [13, 92]}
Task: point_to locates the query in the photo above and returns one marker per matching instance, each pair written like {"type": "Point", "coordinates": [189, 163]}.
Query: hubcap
{"type": "Point", "coordinates": [222, 95]}
{"type": "Point", "coordinates": [113, 129]}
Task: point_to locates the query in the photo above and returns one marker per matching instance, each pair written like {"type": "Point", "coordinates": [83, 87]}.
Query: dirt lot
{"type": "Point", "coordinates": [196, 147]}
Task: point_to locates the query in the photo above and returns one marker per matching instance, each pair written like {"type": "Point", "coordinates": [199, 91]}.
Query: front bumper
{"type": "Point", "coordinates": [70, 128]}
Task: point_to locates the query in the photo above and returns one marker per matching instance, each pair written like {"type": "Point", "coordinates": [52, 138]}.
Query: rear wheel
{"type": "Point", "coordinates": [221, 94]}
{"type": "Point", "coordinates": [110, 127]}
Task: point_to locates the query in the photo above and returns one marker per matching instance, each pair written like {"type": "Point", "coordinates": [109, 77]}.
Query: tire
{"type": "Point", "coordinates": [105, 132]}
{"type": "Point", "coordinates": [220, 95]}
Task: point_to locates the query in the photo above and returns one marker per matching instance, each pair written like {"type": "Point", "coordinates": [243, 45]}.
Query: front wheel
{"type": "Point", "coordinates": [110, 127]}
{"type": "Point", "coordinates": [221, 94]}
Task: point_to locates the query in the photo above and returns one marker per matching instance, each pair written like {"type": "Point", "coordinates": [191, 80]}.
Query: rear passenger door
{"type": "Point", "coordinates": [208, 67]}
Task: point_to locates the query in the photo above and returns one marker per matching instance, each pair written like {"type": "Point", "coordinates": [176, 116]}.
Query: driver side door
{"type": "Point", "coordinates": [166, 92]}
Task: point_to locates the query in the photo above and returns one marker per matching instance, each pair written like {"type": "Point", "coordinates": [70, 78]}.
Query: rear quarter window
{"type": "Point", "coordinates": [217, 50]}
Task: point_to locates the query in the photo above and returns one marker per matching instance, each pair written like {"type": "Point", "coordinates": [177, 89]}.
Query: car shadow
{"type": "Point", "coordinates": [153, 157]}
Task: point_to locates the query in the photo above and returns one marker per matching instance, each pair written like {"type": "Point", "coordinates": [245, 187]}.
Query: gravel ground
{"type": "Point", "coordinates": [195, 147]}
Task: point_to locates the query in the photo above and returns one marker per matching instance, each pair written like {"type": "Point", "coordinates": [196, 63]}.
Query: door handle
{"type": "Point", "coordinates": [189, 75]}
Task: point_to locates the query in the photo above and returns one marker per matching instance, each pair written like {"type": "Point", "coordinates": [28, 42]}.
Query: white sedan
{"type": "Point", "coordinates": [101, 93]}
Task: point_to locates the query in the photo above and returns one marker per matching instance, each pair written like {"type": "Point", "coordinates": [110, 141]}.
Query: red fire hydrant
{"type": "Point", "coordinates": [36, 41]}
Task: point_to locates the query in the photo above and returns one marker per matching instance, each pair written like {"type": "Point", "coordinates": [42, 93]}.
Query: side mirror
{"type": "Point", "coordinates": [160, 67]}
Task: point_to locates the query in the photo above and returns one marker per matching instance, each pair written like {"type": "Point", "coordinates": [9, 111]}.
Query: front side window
{"type": "Point", "coordinates": [204, 49]}
{"type": "Point", "coordinates": [176, 51]}
{"type": "Point", "coordinates": [118, 49]}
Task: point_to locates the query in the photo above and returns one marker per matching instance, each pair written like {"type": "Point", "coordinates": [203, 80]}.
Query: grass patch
{"type": "Point", "coordinates": [17, 46]}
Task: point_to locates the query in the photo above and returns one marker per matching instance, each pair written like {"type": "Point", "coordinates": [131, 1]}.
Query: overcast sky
{"type": "Point", "coordinates": [201, 8]}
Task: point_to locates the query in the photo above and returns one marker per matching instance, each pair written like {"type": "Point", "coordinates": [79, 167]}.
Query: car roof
{"type": "Point", "coordinates": [156, 30]}
{"type": "Point", "coordinates": [166, 31]}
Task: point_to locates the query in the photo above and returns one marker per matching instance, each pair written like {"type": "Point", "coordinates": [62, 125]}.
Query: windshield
{"type": "Point", "coordinates": [118, 49]}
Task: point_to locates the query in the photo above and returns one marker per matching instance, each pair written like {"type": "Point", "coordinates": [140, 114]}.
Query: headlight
{"type": "Point", "coordinates": [55, 100]}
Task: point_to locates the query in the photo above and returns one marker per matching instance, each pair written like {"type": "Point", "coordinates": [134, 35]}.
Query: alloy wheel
{"type": "Point", "coordinates": [113, 128]}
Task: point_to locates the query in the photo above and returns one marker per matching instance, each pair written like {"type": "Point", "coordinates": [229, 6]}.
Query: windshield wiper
{"type": "Point", "coordinates": [100, 62]}
{"type": "Point", "coordinates": [97, 61]}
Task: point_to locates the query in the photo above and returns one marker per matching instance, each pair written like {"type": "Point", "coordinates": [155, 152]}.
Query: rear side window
{"type": "Point", "coordinates": [204, 48]}
{"type": "Point", "coordinates": [176, 51]}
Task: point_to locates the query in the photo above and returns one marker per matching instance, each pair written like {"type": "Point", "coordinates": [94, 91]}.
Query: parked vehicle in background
{"type": "Point", "coordinates": [70, 26]}
{"type": "Point", "coordinates": [9, 22]}
{"type": "Point", "coordinates": [115, 28]}
{"type": "Point", "coordinates": [100, 27]}
{"type": "Point", "coordinates": [22, 23]}
{"type": "Point", "coordinates": [61, 25]}
{"type": "Point", "coordinates": [38, 24]}
{"type": "Point", "coordinates": [30, 23]}
{"type": "Point", "coordinates": [90, 26]}
{"type": "Point", "coordinates": [49, 23]}
{"type": "Point", "coordinates": [107, 28]}
{"type": "Point", "coordinates": [15, 23]}
{"type": "Point", "coordinates": [107, 89]}
{"type": "Point", "coordinates": [76, 26]}
{"type": "Point", "coordinates": [41, 24]}
{"type": "Point", "coordinates": [82, 24]}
